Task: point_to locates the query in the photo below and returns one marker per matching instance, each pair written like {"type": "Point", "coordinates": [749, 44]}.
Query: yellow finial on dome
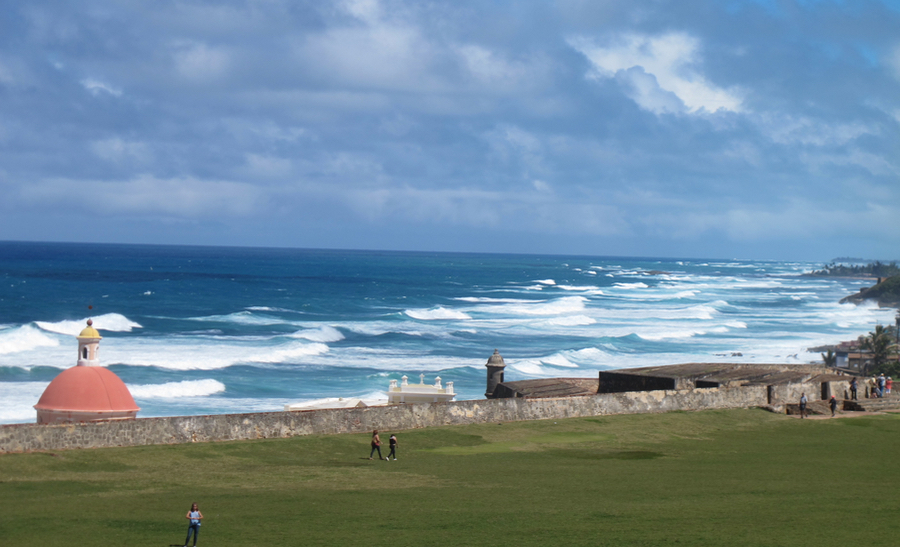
{"type": "Point", "coordinates": [89, 331]}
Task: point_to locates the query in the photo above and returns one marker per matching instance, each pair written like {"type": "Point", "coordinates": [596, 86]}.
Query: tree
{"type": "Point", "coordinates": [880, 343]}
{"type": "Point", "coordinates": [829, 358]}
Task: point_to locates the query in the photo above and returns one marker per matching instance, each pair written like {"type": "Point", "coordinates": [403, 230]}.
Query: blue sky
{"type": "Point", "coordinates": [648, 128]}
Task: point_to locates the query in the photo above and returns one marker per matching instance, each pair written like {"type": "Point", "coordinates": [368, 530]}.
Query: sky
{"type": "Point", "coordinates": [685, 128]}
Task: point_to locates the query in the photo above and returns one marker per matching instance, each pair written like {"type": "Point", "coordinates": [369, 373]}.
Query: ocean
{"type": "Point", "coordinates": [210, 330]}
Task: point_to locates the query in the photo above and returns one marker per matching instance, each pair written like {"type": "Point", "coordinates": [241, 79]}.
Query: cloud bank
{"type": "Point", "coordinates": [690, 128]}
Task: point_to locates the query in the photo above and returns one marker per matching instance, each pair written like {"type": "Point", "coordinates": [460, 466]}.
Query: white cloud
{"type": "Point", "coordinates": [96, 87]}
{"type": "Point", "coordinates": [672, 59]}
{"type": "Point", "coordinates": [792, 129]}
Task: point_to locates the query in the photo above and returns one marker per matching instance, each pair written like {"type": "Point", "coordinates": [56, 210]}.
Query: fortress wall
{"type": "Point", "coordinates": [230, 427]}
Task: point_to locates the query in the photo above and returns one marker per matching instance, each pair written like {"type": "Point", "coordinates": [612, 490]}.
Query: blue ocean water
{"type": "Point", "coordinates": [201, 330]}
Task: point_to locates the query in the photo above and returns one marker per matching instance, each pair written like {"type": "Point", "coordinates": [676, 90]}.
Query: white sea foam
{"type": "Point", "coordinates": [17, 400]}
{"type": "Point", "coordinates": [581, 288]}
{"type": "Point", "coordinates": [194, 354]}
{"type": "Point", "coordinates": [558, 306]}
{"type": "Point", "coordinates": [113, 322]}
{"type": "Point", "coordinates": [24, 338]}
{"type": "Point", "coordinates": [269, 309]}
{"type": "Point", "coordinates": [545, 281]}
{"type": "Point", "coordinates": [572, 321]}
{"type": "Point", "coordinates": [637, 285]}
{"type": "Point", "coordinates": [559, 360]}
{"type": "Point", "coordinates": [438, 313]}
{"type": "Point", "coordinates": [242, 318]}
{"type": "Point", "coordinates": [489, 300]}
{"type": "Point", "coordinates": [171, 390]}
{"type": "Point", "coordinates": [323, 334]}
{"type": "Point", "coordinates": [288, 353]}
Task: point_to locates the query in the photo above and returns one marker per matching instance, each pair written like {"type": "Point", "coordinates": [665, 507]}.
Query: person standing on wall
{"type": "Point", "coordinates": [803, 402]}
{"type": "Point", "coordinates": [392, 441]}
{"type": "Point", "coordinates": [376, 445]}
{"type": "Point", "coordinates": [194, 516]}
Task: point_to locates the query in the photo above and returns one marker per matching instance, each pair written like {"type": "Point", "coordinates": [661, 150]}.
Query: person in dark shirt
{"type": "Point", "coordinates": [833, 404]}
{"type": "Point", "coordinates": [393, 442]}
{"type": "Point", "coordinates": [803, 401]}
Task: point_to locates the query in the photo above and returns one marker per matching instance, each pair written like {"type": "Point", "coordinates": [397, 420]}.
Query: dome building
{"type": "Point", "coordinates": [88, 391]}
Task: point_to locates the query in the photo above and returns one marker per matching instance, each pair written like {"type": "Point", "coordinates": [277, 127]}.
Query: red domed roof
{"type": "Point", "coordinates": [93, 389]}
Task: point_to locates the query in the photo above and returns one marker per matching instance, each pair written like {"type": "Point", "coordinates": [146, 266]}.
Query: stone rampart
{"type": "Point", "coordinates": [262, 425]}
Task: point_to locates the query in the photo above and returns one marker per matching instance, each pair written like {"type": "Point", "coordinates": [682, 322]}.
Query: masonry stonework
{"type": "Point", "coordinates": [232, 427]}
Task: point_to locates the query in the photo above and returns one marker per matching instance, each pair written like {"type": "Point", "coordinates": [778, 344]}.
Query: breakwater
{"type": "Point", "coordinates": [265, 425]}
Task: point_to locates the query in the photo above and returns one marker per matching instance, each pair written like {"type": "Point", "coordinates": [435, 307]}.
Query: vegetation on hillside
{"type": "Point", "coordinates": [872, 269]}
{"type": "Point", "coordinates": [886, 293]}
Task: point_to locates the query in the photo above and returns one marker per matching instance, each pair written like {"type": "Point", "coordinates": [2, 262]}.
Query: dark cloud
{"type": "Point", "coordinates": [691, 128]}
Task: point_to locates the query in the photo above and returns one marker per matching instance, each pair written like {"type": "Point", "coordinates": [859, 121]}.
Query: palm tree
{"type": "Point", "coordinates": [829, 358]}
{"type": "Point", "coordinates": [880, 343]}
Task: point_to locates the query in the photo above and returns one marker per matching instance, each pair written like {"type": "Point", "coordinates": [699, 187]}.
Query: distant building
{"type": "Point", "coordinates": [419, 393]}
{"type": "Point", "coordinates": [88, 391]}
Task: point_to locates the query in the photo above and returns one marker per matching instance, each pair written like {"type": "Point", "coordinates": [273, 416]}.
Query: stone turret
{"type": "Point", "coordinates": [495, 366]}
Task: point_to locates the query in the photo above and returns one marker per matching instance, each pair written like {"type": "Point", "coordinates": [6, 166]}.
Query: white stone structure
{"type": "Point", "coordinates": [419, 393]}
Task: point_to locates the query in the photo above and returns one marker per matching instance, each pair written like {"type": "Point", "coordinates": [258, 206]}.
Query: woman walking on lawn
{"type": "Point", "coordinates": [376, 445]}
{"type": "Point", "coordinates": [393, 442]}
{"type": "Point", "coordinates": [194, 515]}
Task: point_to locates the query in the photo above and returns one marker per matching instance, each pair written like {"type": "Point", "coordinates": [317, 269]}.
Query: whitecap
{"type": "Point", "coordinates": [170, 390]}
{"type": "Point", "coordinates": [242, 318]}
{"type": "Point", "coordinates": [489, 300]}
{"type": "Point", "coordinates": [582, 288]}
{"type": "Point", "coordinates": [113, 322]}
{"type": "Point", "coordinates": [17, 400]}
{"type": "Point", "coordinates": [437, 313]}
{"type": "Point", "coordinates": [24, 338]}
{"type": "Point", "coordinates": [545, 281]}
{"type": "Point", "coordinates": [324, 333]}
{"type": "Point", "coordinates": [559, 306]}
{"type": "Point", "coordinates": [637, 285]}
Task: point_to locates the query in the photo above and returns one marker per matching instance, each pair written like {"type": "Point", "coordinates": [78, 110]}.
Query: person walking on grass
{"type": "Point", "coordinates": [376, 445]}
{"type": "Point", "coordinates": [392, 441]}
{"type": "Point", "coordinates": [194, 516]}
{"type": "Point", "coordinates": [833, 404]}
{"type": "Point", "coordinates": [803, 402]}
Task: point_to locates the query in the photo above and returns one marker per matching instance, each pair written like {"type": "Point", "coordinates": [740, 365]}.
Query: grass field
{"type": "Point", "coordinates": [736, 477]}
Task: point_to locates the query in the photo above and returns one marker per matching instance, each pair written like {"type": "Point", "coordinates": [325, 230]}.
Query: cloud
{"type": "Point", "coordinates": [200, 62]}
{"type": "Point", "coordinates": [118, 150]}
{"type": "Point", "coordinates": [534, 127]}
{"type": "Point", "coordinates": [96, 87]}
{"type": "Point", "coordinates": [148, 195]}
{"type": "Point", "coordinates": [657, 70]}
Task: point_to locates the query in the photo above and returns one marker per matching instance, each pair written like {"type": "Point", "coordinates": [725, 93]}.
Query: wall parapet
{"type": "Point", "coordinates": [263, 425]}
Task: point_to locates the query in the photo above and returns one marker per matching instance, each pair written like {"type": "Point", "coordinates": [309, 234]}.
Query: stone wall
{"type": "Point", "coordinates": [230, 427]}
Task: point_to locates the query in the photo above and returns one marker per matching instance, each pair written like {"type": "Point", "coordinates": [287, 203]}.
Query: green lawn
{"type": "Point", "coordinates": [737, 477]}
